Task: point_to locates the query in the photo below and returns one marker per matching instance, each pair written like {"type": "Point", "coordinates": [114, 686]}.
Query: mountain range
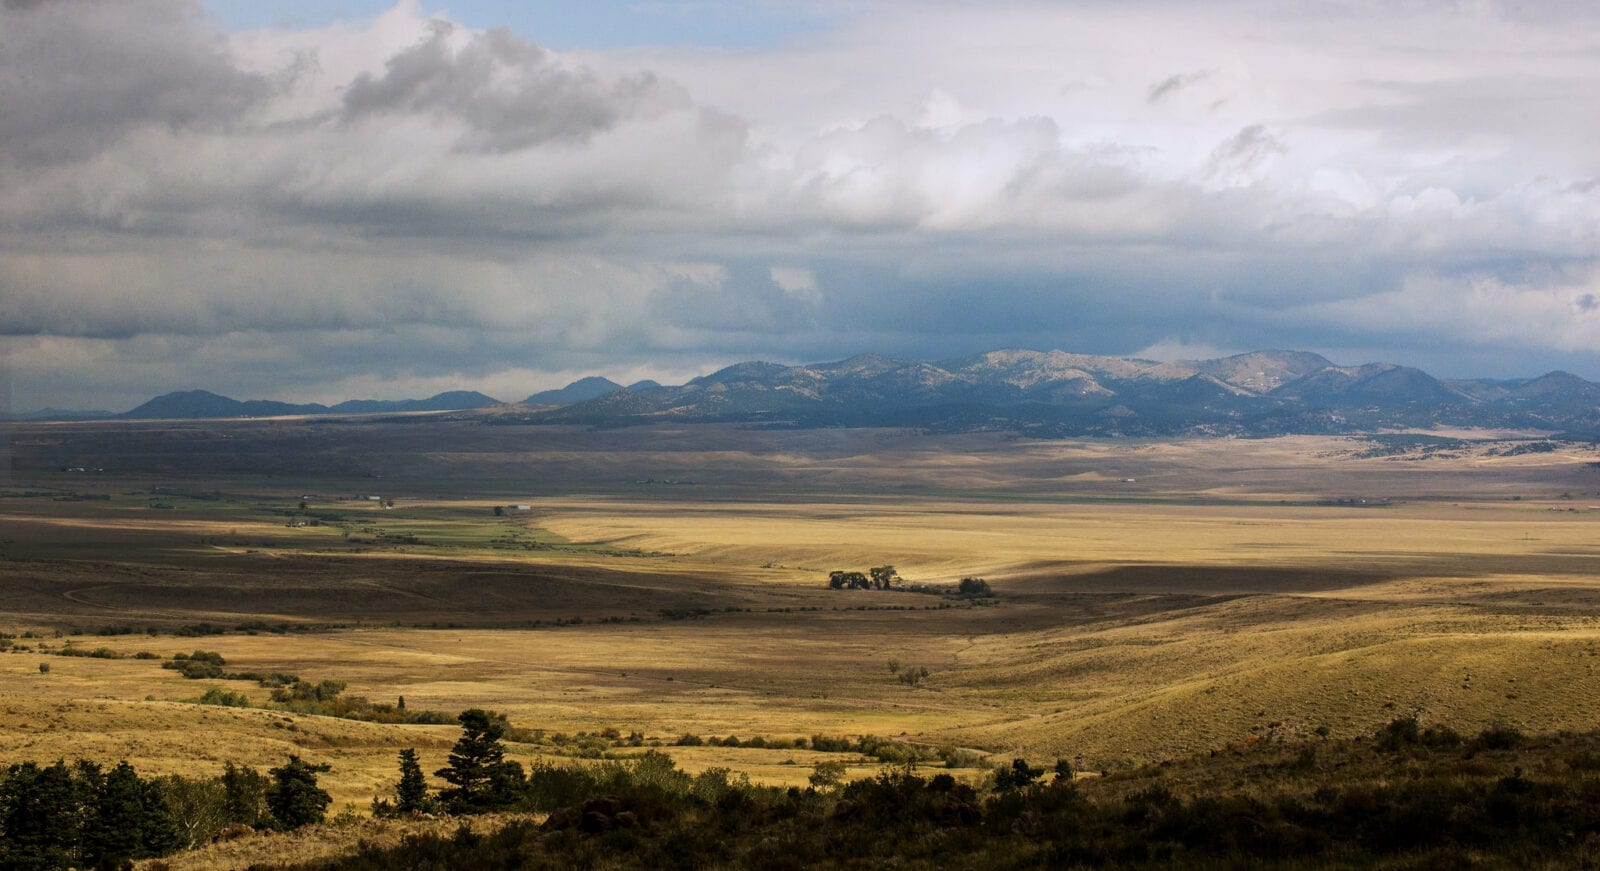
{"type": "Point", "coordinates": [1055, 393]}
{"type": "Point", "coordinates": [196, 404]}
{"type": "Point", "coordinates": [1045, 393]}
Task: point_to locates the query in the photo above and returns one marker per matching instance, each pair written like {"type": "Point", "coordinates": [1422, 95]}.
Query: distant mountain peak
{"type": "Point", "coordinates": [203, 404]}
{"type": "Point", "coordinates": [582, 390]}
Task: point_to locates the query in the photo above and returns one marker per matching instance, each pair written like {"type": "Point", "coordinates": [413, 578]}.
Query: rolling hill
{"type": "Point", "coordinates": [201, 404]}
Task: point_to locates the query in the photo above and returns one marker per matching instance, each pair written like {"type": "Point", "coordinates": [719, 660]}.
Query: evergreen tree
{"type": "Point", "coordinates": [480, 777]}
{"type": "Point", "coordinates": [160, 833]}
{"type": "Point", "coordinates": [40, 817]}
{"type": "Point", "coordinates": [113, 830]}
{"type": "Point", "coordinates": [245, 791]}
{"type": "Point", "coordinates": [294, 799]}
{"type": "Point", "coordinates": [412, 793]}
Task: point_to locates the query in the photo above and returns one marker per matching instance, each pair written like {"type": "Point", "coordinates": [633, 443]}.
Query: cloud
{"type": "Point", "coordinates": [405, 201]}
{"type": "Point", "coordinates": [1175, 83]}
{"type": "Point", "coordinates": [75, 75]}
{"type": "Point", "coordinates": [1554, 311]}
{"type": "Point", "coordinates": [508, 92]}
{"type": "Point", "coordinates": [1240, 158]}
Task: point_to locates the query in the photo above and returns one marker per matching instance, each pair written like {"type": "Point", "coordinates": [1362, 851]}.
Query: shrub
{"type": "Point", "coordinates": [1498, 737]}
{"type": "Point", "coordinates": [827, 775]}
{"type": "Point", "coordinates": [224, 698]}
{"type": "Point", "coordinates": [973, 588]}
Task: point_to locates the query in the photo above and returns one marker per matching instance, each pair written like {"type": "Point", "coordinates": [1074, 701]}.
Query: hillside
{"type": "Point", "coordinates": [202, 404]}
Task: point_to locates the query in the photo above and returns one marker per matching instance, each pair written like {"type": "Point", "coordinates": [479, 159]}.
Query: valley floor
{"type": "Point", "coordinates": [1152, 600]}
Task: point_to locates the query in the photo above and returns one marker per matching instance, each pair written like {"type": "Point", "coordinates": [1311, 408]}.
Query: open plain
{"type": "Point", "coordinates": [1152, 599]}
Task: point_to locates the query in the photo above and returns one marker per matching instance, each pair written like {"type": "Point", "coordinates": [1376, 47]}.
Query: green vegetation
{"type": "Point", "coordinates": [876, 578]}
{"type": "Point", "coordinates": [225, 698]}
{"type": "Point", "coordinates": [1397, 800]}
{"type": "Point", "coordinates": [1410, 794]}
{"type": "Point", "coordinates": [974, 588]}
{"type": "Point", "coordinates": [294, 799]}
{"type": "Point", "coordinates": [480, 777]}
{"type": "Point", "coordinates": [290, 693]}
{"type": "Point", "coordinates": [61, 816]}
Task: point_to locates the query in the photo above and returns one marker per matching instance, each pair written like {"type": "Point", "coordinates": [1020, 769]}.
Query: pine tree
{"type": "Point", "coordinates": [412, 793]}
{"type": "Point", "coordinates": [113, 830]}
{"type": "Point", "coordinates": [161, 832]}
{"type": "Point", "coordinates": [481, 778]}
{"type": "Point", "coordinates": [245, 789]}
{"type": "Point", "coordinates": [294, 799]}
{"type": "Point", "coordinates": [39, 814]}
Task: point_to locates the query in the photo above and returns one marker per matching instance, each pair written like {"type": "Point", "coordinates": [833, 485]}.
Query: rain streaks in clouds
{"type": "Point", "coordinates": [393, 205]}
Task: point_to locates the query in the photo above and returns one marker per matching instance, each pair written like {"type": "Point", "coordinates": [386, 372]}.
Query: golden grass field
{"type": "Point", "coordinates": [1154, 599]}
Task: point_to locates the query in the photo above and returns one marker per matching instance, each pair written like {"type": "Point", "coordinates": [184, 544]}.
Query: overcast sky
{"type": "Point", "coordinates": [351, 199]}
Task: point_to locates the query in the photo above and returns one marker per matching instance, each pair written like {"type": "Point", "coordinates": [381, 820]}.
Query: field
{"type": "Point", "coordinates": [1152, 600]}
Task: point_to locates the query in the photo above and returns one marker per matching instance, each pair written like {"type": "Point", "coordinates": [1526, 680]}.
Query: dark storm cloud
{"type": "Point", "coordinates": [77, 74]}
{"type": "Point", "coordinates": [509, 92]}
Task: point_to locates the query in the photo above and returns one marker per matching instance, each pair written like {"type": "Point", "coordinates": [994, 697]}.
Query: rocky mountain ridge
{"type": "Point", "coordinates": [1046, 393]}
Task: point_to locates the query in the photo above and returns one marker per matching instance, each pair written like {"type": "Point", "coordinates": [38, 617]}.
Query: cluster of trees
{"type": "Point", "coordinates": [80, 815]}
{"type": "Point", "coordinates": [886, 578]}
{"type": "Point", "coordinates": [876, 578]}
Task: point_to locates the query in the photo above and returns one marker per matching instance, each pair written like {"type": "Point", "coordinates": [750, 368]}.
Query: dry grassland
{"type": "Point", "coordinates": [1230, 591]}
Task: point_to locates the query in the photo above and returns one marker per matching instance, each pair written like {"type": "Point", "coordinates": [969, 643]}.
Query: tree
{"type": "Point", "coordinates": [39, 816]}
{"type": "Point", "coordinates": [499, 511]}
{"type": "Point", "coordinates": [480, 777]}
{"type": "Point", "coordinates": [244, 795]}
{"type": "Point", "coordinates": [126, 818]}
{"type": "Point", "coordinates": [412, 793]}
{"type": "Point", "coordinates": [840, 580]}
{"type": "Point", "coordinates": [883, 577]}
{"type": "Point", "coordinates": [973, 588]}
{"type": "Point", "coordinates": [1018, 776]}
{"type": "Point", "coordinates": [195, 807]}
{"type": "Point", "coordinates": [294, 799]}
{"type": "Point", "coordinates": [827, 775]}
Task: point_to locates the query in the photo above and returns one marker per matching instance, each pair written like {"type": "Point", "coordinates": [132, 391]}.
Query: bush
{"type": "Point", "coordinates": [224, 698]}
{"type": "Point", "coordinates": [200, 665]}
{"type": "Point", "coordinates": [1498, 737]}
{"type": "Point", "coordinates": [974, 588]}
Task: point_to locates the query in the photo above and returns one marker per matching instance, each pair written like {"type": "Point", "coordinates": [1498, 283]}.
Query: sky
{"type": "Point", "coordinates": [317, 200]}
